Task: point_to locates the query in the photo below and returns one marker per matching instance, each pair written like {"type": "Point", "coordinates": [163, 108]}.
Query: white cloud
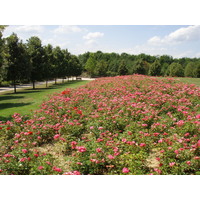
{"type": "Point", "coordinates": [93, 35]}
{"type": "Point", "coordinates": [68, 29]}
{"type": "Point", "coordinates": [190, 33]}
{"type": "Point", "coordinates": [23, 30]}
{"type": "Point", "coordinates": [28, 28]}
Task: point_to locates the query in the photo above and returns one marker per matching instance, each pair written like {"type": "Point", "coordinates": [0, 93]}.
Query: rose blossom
{"type": "Point", "coordinates": [24, 150]}
{"type": "Point", "coordinates": [40, 167]}
{"type": "Point", "coordinates": [172, 164]}
{"type": "Point", "coordinates": [125, 170]}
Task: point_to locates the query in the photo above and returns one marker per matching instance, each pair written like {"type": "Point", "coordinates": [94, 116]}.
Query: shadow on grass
{"type": "Point", "coordinates": [11, 105]}
{"type": "Point", "coordinates": [9, 97]}
{"type": "Point", "coordinates": [4, 119]}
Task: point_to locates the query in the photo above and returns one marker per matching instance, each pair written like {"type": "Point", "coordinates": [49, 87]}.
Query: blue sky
{"type": "Point", "coordinates": [175, 40]}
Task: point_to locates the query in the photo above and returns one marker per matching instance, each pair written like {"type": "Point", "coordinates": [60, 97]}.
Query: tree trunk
{"type": "Point", "coordinates": [14, 84]}
{"type": "Point", "coordinates": [33, 85]}
{"type": "Point", "coordinates": [63, 80]}
{"type": "Point", "coordinates": [55, 81]}
{"type": "Point", "coordinates": [46, 83]}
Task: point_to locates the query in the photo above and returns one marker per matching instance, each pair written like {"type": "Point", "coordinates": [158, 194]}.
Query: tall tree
{"type": "Point", "coordinates": [196, 72]}
{"type": "Point", "coordinates": [155, 68]}
{"type": "Point", "coordinates": [189, 69]}
{"type": "Point", "coordinates": [141, 67]}
{"type": "Point", "coordinates": [76, 66]}
{"type": "Point", "coordinates": [36, 53]}
{"type": "Point", "coordinates": [58, 63]}
{"type": "Point", "coordinates": [48, 63]}
{"type": "Point", "coordinates": [122, 70]}
{"type": "Point", "coordinates": [18, 60]}
{"type": "Point", "coordinates": [91, 64]}
{"type": "Point", "coordinates": [101, 68]}
{"type": "Point", "coordinates": [2, 68]}
{"type": "Point", "coordinates": [176, 69]}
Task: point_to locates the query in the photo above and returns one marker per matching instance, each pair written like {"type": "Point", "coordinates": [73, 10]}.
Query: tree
{"type": "Point", "coordinates": [163, 71]}
{"type": "Point", "coordinates": [18, 60]}
{"type": "Point", "coordinates": [101, 68]}
{"type": "Point", "coordinates": [176, 69]}
{"type": "Point", "coordinates": [189, 69]}
{"type": "Point", "coordinates": [196, 71]}
{"type": "Point", "coordinates": [122, 68]}
{"type": "Point", "coordinates": [58, 63]}
{"type": "Point", "coordinates": [75, 66]}
{"type": "Point", "coordinates": [155, 68]}
{"type": "Point", "coordinates": [48, 63]}
{"type": "Point", "coordinates": [90, 64]}
{"type": "Point", "coordinates": [141, 67]}
{"type": "Point", "coordinates": [2, 68]}
{"type": "Point", "coordinates": [36, 53]}
{"type": "Point", "coordinates": [67, 69]}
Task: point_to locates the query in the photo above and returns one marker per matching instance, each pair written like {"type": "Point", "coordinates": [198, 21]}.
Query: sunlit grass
{"type": "Point", "coordinates": [27, 100]}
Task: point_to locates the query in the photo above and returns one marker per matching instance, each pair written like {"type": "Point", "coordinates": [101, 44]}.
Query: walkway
{"type": "Point", "coordinates": [5, 89]}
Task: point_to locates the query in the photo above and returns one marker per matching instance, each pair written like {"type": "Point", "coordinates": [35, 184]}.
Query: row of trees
{"type": "Point", "coordinates": [111, 64]}
{"type": "Point", "coordinates": [31, 62]}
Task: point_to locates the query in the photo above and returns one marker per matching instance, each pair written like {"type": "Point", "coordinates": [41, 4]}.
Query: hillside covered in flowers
{"type": "Point", "coordinates": [131, 125]}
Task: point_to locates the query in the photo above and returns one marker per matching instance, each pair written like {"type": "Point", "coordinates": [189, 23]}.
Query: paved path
{"type": "Point", "coordinates": [4, 89]}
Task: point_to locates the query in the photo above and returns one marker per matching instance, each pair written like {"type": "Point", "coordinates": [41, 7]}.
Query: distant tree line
{"type": "Point", "coordinates": [101, 64]}
{"type": "Point", "coordinates": [31, 61]}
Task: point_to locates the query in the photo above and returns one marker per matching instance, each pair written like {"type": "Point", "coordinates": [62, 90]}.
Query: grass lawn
{"type": "Point", "coordinates": [195, 81]}
{"type": "Point", "coordinates": [27, 99]}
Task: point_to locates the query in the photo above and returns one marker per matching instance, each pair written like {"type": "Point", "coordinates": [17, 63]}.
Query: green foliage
{"type": "Point", "coordinates": [2, 52]}
{"type": "Point", "coordinates": [155, 68]}
{"type": "Point", "coordinates": [18, 60]}
{"type": "Point", "coordinates": [36, 53]}
{"type": "Point", "coordinates": [141, 67]}
{"type": "Point", "coordinates": [189, 70]}
{"type": "Point", "coordinates": [122, 68]}
{"type": "Point", "coordinates": [176, 69]}
{"type": "Point", "coordinates": [48, 62]}
{"type": "Point", "coordinates": [192, 70]}
{"type": "Point", "coordinates": [90, 64]}
{"type": "Point", "coordinates": [101, 68]}
{"type": "Point", "coordinates": [196, 72]}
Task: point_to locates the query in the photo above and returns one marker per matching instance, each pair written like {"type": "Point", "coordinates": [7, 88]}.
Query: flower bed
{"type": "Point", "coordinates": [120, 125]}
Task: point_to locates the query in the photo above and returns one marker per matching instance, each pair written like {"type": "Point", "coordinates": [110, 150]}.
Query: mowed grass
{"type": "Point", "coordinates": [195, 81]}
{"type": "Point", "coordinates": [27, 100]}
{"type": "Point", "coordinates": [186, 80]}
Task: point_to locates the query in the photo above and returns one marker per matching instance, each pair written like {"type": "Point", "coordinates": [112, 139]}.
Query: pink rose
{"type": "Point", "coordinates": [188, 162]}
{"type": "Point", "coordinates": [98, 150]}
{"type": "Point", "coordinates": [24, 150]}
{"type": "Point", "coordinates": [111, 157]}
{"type": "Point", "coordinates": [56, 136]}
{"type": "Point", "coordinates": [172, 164]}
{"type": "Point", "coordinates": [40, 167]}
{"type": "Point", "coordinates": [57, 169]}
{"type": "Point", "coordinates": [81, 149]}
{"type": "Point", "coordinates": [125, 170]}
{"type": "Point", "coordinates": [142, 145]}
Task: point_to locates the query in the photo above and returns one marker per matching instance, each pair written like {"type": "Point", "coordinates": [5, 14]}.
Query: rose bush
{"type": "Point", "coordinates": [120, 125]}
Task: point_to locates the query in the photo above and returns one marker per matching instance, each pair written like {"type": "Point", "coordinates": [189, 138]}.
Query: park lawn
{"type": "Point", "coordinates": [27, 100]}
{"type": "Point", "coordinates": [186, 80]}
{"type": "Point", "coordinates": [195, 81]}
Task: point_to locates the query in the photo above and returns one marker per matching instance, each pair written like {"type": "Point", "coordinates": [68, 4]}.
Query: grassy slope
{"type": "Point", "coordinates": [186, 80]}
{"type": "Point", "coordinates": [195, 81]}
{"type": "Point", "coordinates": [27, 99]}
